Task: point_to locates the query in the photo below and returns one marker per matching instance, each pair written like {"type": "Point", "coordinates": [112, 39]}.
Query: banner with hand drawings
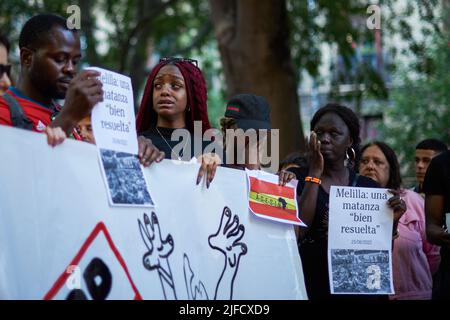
{"type": "Point", "coordinates": [59, 238]}
{"type": "Point", "coordinates": [360, 241]}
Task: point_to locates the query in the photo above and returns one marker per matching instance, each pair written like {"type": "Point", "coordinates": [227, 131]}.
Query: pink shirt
{"type": "Point", "coordinates": [414, 259]}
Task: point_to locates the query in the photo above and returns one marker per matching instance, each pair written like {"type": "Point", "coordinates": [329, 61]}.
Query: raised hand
{"type": "Point", "coordinates": [315, 157]}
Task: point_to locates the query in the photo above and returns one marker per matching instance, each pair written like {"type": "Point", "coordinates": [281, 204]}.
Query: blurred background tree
{"type": "Point", "coordinates": [124, 35]}
{"type": "Point", "coordinates": [421, 102]}
{"type": "Point", "coordinates": [274, 48]}
{"type": "Point", "coordinates": [266, 46]}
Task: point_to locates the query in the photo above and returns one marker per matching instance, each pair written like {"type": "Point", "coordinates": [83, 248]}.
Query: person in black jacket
{"type": "Point", "coordinates": [437, 206]}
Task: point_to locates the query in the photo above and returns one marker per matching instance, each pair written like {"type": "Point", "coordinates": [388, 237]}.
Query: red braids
{"type": "Point", "coordinates": [196, 97]}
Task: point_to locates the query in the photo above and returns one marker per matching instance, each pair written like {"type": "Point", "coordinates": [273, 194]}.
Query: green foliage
{"type": "Point", "coordinates": [135, 30]}
{"type": "Point", "coordinates": [421, 105]}
{"type": "Point", "coordinates": [314, 23]}
{"type": "Point", "coordinates": [342, 24]}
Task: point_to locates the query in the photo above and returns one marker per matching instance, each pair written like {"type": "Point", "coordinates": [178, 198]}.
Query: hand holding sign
{"type": "Point", "coordinates": [209, 163]}
{"type": "Point", "coordinates": [397, 204]}
{"type": "Point", "coordinates": [285, 177]}
{"type": "Point", "coordinates": [55, 136]}
{"type": "Point", "coordinates": [148, 153]}
{"type": "Point", "coordinates": [84, 92]}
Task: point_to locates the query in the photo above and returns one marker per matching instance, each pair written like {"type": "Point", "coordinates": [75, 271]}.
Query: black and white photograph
{"type": "Point", "coordinates": [360, 271]}
{"type": "Point", "coordinates": [125, 179]}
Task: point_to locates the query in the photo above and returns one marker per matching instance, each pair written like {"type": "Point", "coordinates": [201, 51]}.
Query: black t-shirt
{"type": "Point", "coordinates": [437, 178]}
{"type": "Point", "coordinates": [437, 182]}
{"type": "Point", "coordinates": [162, 139]}
{"type": "Point", "coordinates": [314, 247]}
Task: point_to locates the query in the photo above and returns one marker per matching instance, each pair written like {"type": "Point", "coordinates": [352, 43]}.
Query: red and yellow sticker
{"type": "Point", "coordinates": [273, 201]}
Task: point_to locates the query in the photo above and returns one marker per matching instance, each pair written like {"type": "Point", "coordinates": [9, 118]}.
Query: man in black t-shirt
{"type": "Point", "coordinates": [437, 204]}
{"type": "Point", "coordinates": [426, 150]}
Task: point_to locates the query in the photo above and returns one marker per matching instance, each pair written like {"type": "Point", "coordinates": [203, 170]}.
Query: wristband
{"type": "Point", "coordinates": [313, 180]}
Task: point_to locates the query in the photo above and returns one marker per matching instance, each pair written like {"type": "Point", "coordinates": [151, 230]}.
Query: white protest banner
{"type": "Point", "coordinates": [360, 241]}
{"type": "Point", "coordinates": [113, 120]}
{"type": "Point", "coordinates": [271, 201]}
{"type": "Point", "coordinates": [59, 239]}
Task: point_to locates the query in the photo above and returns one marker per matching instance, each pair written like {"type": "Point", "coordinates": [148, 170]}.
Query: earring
{"type": "Point", "coordinates": [353, 154]}
{"type": "Point", "coordinates": [188, 109]}
{"type": "Point", "coordinates": [348, 161]}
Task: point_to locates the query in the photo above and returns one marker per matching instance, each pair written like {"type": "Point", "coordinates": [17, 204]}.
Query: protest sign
{"type": "Point", "coordinates": [113, 120]}
{"type": "Point", "coordinates": [360, 241]}
{"type": "Point", "coordinates": [113, 123]}
{"type": "Point", "coordinates": [271, 201]}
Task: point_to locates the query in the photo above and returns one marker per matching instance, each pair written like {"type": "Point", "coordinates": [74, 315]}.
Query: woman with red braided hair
{"type": "Point", "coordinates": [175, 96]}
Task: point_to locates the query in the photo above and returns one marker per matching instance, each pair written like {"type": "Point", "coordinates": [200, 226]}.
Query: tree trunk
{"type": "Point", "coordinates": [88, 27]}
{"type": "Point", "coordinates": [139, 54]}
{"type": "Point", "coordinates": [446, 18]}
{"type": "Point", "coordinates": [253, 39]}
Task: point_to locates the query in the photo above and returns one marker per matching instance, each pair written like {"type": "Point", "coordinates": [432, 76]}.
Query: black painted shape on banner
{"type": "Point", "coordinates": [227, 240]}
{"type": "Point", "coordinates": [76, 294]}
{"type": "Point", "coordinates": [97, 269]}
{"type": "Point", "coordinates": [230, 230]}
{"type": "Point", "coordinates": [194, 291]}
{"type": "Point", "coordinates": [282, 202]}
{"type": "Point", "coordinates": [159, 251]}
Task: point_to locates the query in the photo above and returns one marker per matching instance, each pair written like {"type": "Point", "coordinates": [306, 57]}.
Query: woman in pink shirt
{"type": "Point", "coordinates": [414, 259]}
